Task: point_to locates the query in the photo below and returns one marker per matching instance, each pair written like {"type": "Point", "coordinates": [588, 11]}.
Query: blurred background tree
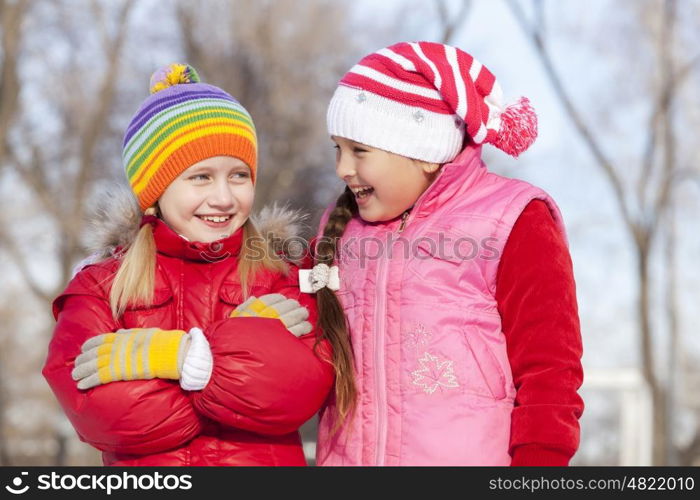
{"type": "Point", "coordinates": [615, 83]}
{"type": "Point", "coordinates": [653, 34]}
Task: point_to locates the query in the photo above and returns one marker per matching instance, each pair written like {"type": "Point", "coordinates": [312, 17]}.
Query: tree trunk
{"type": "Point", "coordinates": [4, 454]}
{"type": "Point", "coordinates": [647, 356]}
{"type": "Point", "coordinates": [61, 449]}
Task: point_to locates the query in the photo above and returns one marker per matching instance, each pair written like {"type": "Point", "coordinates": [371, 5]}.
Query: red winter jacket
{"type": "Point", "coordinates": [265, 382]}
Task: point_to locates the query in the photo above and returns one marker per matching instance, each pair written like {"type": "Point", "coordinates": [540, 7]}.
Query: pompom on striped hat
{"type": "Point", "coordinates": [420, 100]}
{"type": "Point", "coordinates": [182, 122]}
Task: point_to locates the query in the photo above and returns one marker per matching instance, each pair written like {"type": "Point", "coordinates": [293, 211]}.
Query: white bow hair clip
{"type": "Point", "coordinates": [321, 276]}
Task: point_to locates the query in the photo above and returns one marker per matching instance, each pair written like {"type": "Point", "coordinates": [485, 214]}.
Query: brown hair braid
{"type": "Point", "coordinates": [330, 312]}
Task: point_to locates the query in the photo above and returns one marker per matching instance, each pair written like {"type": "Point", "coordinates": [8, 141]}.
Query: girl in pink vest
{"type": "Point", "coordinates": [452, 286]}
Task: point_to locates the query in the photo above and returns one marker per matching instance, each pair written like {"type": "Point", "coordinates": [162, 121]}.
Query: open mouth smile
{"type": "Point", "coordinates": [215, 220]}
{"type": "Point", "coordinates": [361, 192]}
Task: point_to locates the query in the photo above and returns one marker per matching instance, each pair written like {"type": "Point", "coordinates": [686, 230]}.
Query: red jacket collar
{"type": "Point", "coordinates": [169, 243]}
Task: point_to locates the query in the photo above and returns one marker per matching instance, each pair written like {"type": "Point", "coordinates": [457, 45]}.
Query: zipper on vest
{"type": "Point", "coordinates": [379, 371]}
{"type": "Point", "coordinates": [404, 218]}
{"type": "Point", "coordinates": [379, 354]}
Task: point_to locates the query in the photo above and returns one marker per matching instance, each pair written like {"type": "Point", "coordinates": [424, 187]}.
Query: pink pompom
{"type": "Point", "coordinates": [518, 128]}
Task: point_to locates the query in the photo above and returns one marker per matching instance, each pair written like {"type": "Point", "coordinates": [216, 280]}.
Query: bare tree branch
{"type": "Point", "coordinates": [260, 48]}
{"type": "Point", "coordinates": [538, 7]}
{"type": "Point", "coordinates": [97, 120]}
{"type": "Point", "coordinates": [644, 224]}
{"type": "Point", "coordinates": [665, 100]}
{"type": "Point", "coordinates": [689, 454]}
{"type": "Point", "coordinates": [11, 35]}
{"type": "Point", "coordinates": [5, 459]}
{"type": "Point", "coordinates": [187, 29]}
{"type": "Point", "coordinates": [20, 260]}
{"type": "Point", "coordinates": [660, 107]}
{"type": "Point", "coordinates": [650, 148]}
{"type": "Point", "coordinates": [663, 208]}
{"type": "Point", "coordinates": [34, 176]}
{"type": "Point", "coordinates": [67, 212]}
{"type": "Point", "coordinates": [100, 21]}
{"type": "Point", "coordinates": [685, 70]}
{"type": "Point", "coordinates": [672, 313]}
{"type": "Point", "coordinates": [450, 25]}
{"type": "Point", "coordinates": [565, 97]}
{"type": "Point", "coordinates": [94, 126]}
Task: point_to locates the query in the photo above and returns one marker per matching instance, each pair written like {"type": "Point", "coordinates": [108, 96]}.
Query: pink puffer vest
{"type": "Point", "coordinates": [432, 371]}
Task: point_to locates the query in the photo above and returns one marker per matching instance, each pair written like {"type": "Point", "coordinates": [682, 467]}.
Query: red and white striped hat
{"type": "Point", "coordinates": [419, 100]}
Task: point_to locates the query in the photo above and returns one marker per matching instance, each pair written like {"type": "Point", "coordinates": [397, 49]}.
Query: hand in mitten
{"type": "Point", "coordinates": [142, 354]}
{"type": "Point", "coordinates": [276, 306]}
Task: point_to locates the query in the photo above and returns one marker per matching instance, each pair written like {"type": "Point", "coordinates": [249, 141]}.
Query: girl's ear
{"type": "Point", "coordinates": [430, 168]}
{"type": "Point", "coordinates": [153, 210]}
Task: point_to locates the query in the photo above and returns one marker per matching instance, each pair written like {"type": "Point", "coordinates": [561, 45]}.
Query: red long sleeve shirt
{"type": "Point", "coordinates": [536, 297]}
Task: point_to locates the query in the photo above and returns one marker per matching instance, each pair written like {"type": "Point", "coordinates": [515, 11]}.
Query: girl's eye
{"type": "Point", "coordinates": [240, 175]}
{"type": "Point", "coordinates": [200, 177]}
{"type": "Point", "coordinates": [358, 151]}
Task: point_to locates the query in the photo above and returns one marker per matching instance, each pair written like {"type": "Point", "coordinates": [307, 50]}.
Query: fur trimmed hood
{"type": "Point", "coordinates": [116, 219]}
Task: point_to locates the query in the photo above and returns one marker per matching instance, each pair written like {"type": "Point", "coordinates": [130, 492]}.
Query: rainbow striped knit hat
{"type": "Point", "coordinates": [181, 123]}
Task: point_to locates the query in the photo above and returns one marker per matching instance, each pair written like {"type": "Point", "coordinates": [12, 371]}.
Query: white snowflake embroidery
{"type": "Point", "coordinates": [434, 373]}
{"type": "Point", "coordinates": [418, 336]}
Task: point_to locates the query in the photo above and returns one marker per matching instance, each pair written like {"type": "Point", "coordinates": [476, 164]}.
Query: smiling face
{"type": "Point", "coordinates": [385, 184]}
{"type": "Point", "coordinates": [210, 200]}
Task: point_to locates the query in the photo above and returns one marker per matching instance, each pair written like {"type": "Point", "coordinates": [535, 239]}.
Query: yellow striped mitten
{"type": "Point", "coordinates": [276, 306]}
{"type": "Point", "coordinates": [134, 354]}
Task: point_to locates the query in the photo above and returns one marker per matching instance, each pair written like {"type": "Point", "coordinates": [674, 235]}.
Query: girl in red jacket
{"type": "Point", "coordinates": [188, 343]}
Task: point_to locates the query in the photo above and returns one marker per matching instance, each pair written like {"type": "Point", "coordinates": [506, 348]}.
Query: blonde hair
{"type": "Point", "coordinates": [256, 255]}
{"type": "Point", "coordinates": [134, 282]}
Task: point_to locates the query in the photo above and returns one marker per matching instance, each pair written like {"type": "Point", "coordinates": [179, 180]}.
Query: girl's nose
{"type": "Point", "coordinates": [344, 167]}
{"type": "Point", "coordinates": [222, 196]}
